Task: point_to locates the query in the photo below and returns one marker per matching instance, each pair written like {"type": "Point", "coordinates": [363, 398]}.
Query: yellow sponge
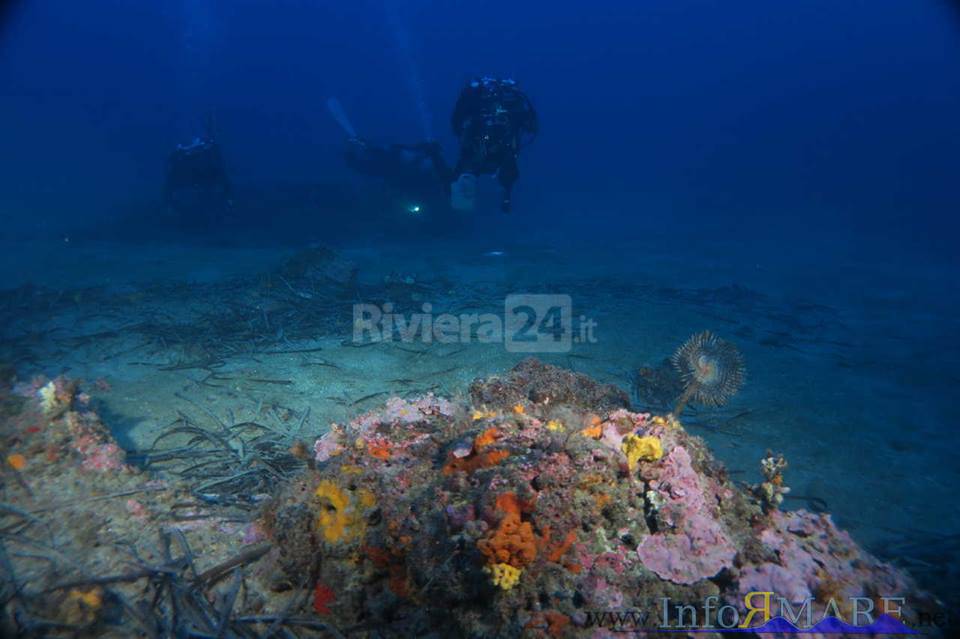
{"type": "Point", "coordinates": [638, 448]}
{"type": "Point", "coordinates": [504, 575]}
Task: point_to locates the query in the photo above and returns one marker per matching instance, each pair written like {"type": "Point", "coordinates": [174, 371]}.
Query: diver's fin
{"type": "Point", "coordinates": [336, 110]}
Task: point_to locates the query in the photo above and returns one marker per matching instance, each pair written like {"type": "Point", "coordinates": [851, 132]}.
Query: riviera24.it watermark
{"type": "Point", "coordinates": [530, 323]}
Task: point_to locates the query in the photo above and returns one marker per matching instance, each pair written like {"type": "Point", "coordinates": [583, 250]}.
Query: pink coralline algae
{"type": "Point", "coordinates": [699, 551]}
{"type": "Point", "coordinates": [611, 436]}
{"type": "Point", "coordinates": [628, 420]}
{"type": "Point", "coordinates": [613, 562]}
{"type": "Point", "coordinates": [696, 547]}
{"type": "Point", "coordinates": [327, 447]}
{"type": "Point", "coordinates": [253, 533]}
{"type": "Point", "coordinates": [620, 423]}
{"type": "Point", "coordinates": [101, 457]}
{"type": "Point", "coordinates": [93, 442]}
{"type": "Point", "coordinates": [136, 509]}
{"type": "Point", "coordinates": [402, 412]}
{"type": "Point", "coordinates": [396, 412]}
{"type": "Point", "coordinates": [601, 594]}
{"type": "Point", "coordinates": [816, 560]}
{"type": "Point", "coordinates": [64, 415]}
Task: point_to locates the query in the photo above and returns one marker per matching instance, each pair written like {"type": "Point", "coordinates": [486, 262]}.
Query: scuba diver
{"type": "Point", "coordinates": [491, 118]}
{"type": "Point", "coordinates": [401, 166]}
{"type": "Point", "coordinates": [414, 174]}
{"type": "Point", "coordinates": [196, 181]}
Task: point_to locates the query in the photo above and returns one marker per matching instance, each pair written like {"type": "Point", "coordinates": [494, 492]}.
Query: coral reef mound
{"type": "Point", "coordinates": [537, 507]}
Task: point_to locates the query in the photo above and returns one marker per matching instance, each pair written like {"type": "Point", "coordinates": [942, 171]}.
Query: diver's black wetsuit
{"type": "Point", "coordinates": [490, 118]}
{"type": "Point", "coordinates": [197, 168]}
{"type": "Point", "coordinates": [402, 166]}
{"type": "Point", "coordinates": [414, 177]}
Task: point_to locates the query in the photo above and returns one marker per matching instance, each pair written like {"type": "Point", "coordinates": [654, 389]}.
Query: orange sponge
{"type": "Point", "coordinates": [513, 542]}
{"type": "Point", "coordinates": [485, 438]}
{"type": "Point", "coordinates": [474, 462]}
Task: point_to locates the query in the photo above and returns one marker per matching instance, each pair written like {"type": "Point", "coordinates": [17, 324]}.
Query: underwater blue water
{"type": "Point", "coordinates": [808, 152]}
